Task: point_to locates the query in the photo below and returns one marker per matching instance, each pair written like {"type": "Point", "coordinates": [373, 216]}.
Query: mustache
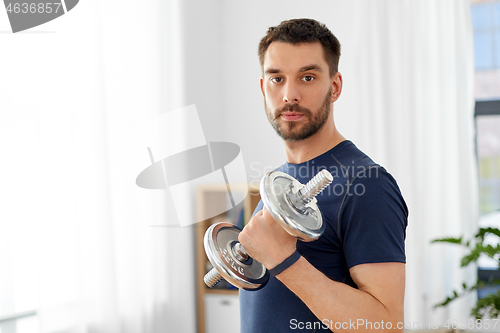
{"type": "Point", "coordinates": [289, 108]}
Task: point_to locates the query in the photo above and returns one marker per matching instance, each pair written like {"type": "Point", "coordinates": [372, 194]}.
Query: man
{"type": "Point", "coordinates": [351, 279]}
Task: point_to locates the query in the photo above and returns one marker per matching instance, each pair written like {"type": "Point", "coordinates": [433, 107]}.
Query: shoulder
{"type": "Point", "coordinates": [349, 162]}
{"type": "Point", "coordinates": [375, 179]}
{"type": "Point", "coordinates": [374, 190]}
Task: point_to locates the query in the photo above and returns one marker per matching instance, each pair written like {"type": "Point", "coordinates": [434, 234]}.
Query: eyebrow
{"type": "Point", "coordinates": [312, 67]}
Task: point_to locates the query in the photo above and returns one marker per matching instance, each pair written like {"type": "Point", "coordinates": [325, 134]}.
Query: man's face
{"type": "Point", "coordinates": [297, 89]}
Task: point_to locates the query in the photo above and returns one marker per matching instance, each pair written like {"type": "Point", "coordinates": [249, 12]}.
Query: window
{"type": "Point", "coordinates": [486, 23]}
{"type": "Point", "coordinates": [488, 154]}
{"type": "Point", "coordinates": [486, 27]}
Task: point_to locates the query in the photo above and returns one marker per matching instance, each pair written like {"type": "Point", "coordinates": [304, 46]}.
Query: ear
{"type": "Point", "coordinates": [336, 86]}
{"type": "Point", "coordinates": [262, 86]}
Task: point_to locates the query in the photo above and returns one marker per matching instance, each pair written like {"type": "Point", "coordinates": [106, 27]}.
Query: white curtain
{"type": "Point", "coordinates": [413, 76]}
{"type": "Point", "coordinates": [75, 228]}
{"type": "Point", "coordinates": [72, 216]}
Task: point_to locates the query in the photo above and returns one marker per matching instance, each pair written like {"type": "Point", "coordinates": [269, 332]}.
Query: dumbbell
{"type": "Point", "coordinates": [291, 204]}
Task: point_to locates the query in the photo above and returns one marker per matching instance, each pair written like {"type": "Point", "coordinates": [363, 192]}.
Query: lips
{"type": "Point", "coordinates": [291, 115]}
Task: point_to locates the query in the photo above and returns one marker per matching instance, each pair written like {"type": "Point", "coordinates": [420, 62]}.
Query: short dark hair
{"type": "Point", "coordinates": [297, 31]}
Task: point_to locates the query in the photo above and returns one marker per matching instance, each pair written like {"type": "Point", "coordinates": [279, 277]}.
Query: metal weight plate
{"type": "Point", "coordinates": [219, 241]}
{"type": "Point", "coordinates": [306, 226]}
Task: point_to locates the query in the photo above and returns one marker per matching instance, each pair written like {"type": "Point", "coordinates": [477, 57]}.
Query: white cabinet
{"type": "Point", "coordinates": [222, 313]}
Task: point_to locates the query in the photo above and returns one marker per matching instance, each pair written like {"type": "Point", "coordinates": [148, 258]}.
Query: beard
{"type": "Point", "coordinates": [295, 131]}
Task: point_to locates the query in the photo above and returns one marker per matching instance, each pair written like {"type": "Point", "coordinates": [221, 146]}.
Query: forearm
{"type": "Point", "coordinates": [337, 303]}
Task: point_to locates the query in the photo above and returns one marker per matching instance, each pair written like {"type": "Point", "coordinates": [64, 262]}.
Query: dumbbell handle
{"type": "Point", "coordinates": [313, 187]}
{"type": "Point", "coordinates": [213, 276]}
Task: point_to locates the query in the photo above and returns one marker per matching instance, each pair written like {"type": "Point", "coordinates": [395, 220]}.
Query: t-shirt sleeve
{"type": "Point", "coordinates": [373, 219]}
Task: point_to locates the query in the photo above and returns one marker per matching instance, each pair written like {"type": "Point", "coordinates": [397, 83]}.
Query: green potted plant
{"type": "Point", "coordinates": [490, 304]}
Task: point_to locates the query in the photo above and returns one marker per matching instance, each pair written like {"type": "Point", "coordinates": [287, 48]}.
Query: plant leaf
{"type": "Point", "coordinates": [489, 305]}
{"type": "Point", "coordinates": [483, 231]}
{"type": "Point", "coordinates": [448, 240]}
{"type": "Point", "coordinates": [457, 295]}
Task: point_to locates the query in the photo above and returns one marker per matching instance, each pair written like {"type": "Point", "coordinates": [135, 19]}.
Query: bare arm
{"type": "Point", "coordinates": [379, 299]}
{"type": "Point", "coordinates": [377, 304]}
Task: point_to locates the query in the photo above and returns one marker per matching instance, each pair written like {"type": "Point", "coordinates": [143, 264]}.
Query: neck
{"type": "Point", "coordinates": [324, 140]}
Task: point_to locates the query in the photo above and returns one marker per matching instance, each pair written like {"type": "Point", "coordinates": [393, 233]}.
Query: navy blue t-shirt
{"type": "Point", "coordinates": [365, 217]}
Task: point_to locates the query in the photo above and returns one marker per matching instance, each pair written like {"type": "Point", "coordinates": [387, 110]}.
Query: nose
{"type": "Point", "coordinates": [291, 93]}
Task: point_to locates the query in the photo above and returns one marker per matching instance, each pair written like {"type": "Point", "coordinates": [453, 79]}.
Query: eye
{"type": "Point", "coordinates": [276, 79]}
{"type": "Point", "coordinates": [308, 78]}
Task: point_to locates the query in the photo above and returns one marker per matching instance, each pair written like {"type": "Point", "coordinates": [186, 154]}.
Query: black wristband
{"type": "Point", "coordinates": [285, 264]}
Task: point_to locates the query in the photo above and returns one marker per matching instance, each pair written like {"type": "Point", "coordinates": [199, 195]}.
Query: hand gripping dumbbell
{"type": "Point", "coordinates": [291, 204]}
